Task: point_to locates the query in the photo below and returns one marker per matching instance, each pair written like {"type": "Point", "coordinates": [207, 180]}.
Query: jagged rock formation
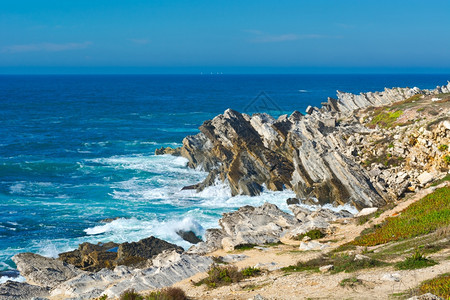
{"type": "Point", "coordinates": [167, 270]}
{"type": "Point", "coordinates": [264, 224]}
{"type": "Point", "coordinates": [43, 271]}
{"type": "Point", "coordinates": [52, 277]}
{"type": "Point", "coordinates": [90, 257]}
{"type": "Point", "coordinates": [308, 154]}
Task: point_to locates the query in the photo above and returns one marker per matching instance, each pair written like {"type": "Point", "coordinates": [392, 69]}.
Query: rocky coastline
{"type": "Point", "coordinates": [364, 150]}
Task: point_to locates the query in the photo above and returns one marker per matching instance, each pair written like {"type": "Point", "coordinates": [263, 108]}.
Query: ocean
{"type": "Point", "coordinates": [76, 149]}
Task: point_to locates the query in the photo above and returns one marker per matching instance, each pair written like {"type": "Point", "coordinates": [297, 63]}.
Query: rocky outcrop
{"type": "Point", "coordinates": [247, 225]}
{"type": "Point", "coordinates": [309, 219]}
{"type": "Point", "coordinates": [168, 150]}
{"type": "Point", "coordinates": [295, 152]}
{"type": "Point", "coordinates": [12, 290]}
{"type": "Point", "coordinates": [314, 155]}
{"type": "Point", "coordinates": [44, 271]}
{"type": "Point", "coordinates": [52, 277]}
{"type": "Point", "coordinates": [91, 257]}
{"type": "Point", "coordinates": [168, 268]}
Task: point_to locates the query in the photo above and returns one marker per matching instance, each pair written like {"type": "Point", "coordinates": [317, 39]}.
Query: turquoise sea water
{"type": "Point", "coordinates": [77, 149]}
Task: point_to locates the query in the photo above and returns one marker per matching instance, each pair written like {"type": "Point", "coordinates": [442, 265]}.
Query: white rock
{"type": "Point", "coordinates": [367, 211]}
{"type": "Point", "coordinates": [447, 124]}
{"type": "Point", "coordinates": [326, 268]}
{"type": "Point", "coordinates": [312, 245]}
{"type": "Point", "coordinates": [233, 258]}
{"type": "Point", "coordinates": [425, 178]}
{"type": "Point", "coordinates": [361, 257]}
{"type": "Point", "coordinates": [391, 277]}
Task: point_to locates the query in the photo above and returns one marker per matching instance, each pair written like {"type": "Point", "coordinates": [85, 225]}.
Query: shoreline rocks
{"type": "Point", "coordinates": [90, 257]}
{"type": "Point", "coordinates": [322, 155]}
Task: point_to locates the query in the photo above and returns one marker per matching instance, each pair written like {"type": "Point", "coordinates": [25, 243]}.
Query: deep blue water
{"type": "Point", "coordinates": [77, 149]}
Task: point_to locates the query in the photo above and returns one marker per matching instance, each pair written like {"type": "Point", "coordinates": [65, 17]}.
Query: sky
{"type": "Point", "coordinates": [246, 36]}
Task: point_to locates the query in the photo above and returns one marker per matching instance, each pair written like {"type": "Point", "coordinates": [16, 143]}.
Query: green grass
{"type": "Point", "coordinates": [421, 217]}
{"type": "Point", "coordinates": [439, 286]}
{"type": "Point", "coordinates": [438, 182]}
{"type": "Point", "coordinates": [385, 118]}
{"type": "Point", "coordinates": [341, 263]}
{"type": "Point", "coordinates": [416, 261]}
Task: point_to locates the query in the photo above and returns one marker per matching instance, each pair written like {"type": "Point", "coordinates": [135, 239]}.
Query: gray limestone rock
{"type": "Point", "coordinates": [12, 290]}
{"type": "Point", "coordinates": [44, 271]}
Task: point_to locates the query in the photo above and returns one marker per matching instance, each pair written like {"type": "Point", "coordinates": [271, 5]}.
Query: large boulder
{"type": "Point", "coordinates": [44, 271]}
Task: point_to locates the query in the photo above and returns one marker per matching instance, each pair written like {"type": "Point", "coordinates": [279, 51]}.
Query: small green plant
{"type": "Point", "coordinates": [102, 297]}
{"type": "Point", "coordinates": [221, 275]}
{"type": "Point", "coordinates": [250, 271]}
{"type": "Point", "coordinates": [350, 282]}
{"type": "Point", "coordinates": [439, 286]}
{"type": "Point", "coordinates": [416, 261]}
{"type": "Point", "coordinates": [313, 234]}
{"type": "Point", "coordinates": [170, 293]}
{"type": "Point", "coordinates": [245, 246]}
{"type": "Point", "coordinates": [443, 147]}
{"type": "Point", "coordinates": [130, 295]}
{"type": "Point", "coordinates": [391, 145]}
{"type": "Point", "coordinates": [447, 159]}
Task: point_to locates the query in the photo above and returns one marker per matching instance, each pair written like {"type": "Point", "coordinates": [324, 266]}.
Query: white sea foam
{"type": "Point", "coordinates": [4, 279]}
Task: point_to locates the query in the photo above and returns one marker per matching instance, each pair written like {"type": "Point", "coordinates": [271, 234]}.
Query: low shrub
{"type": "Point", "coordinates": [439, 286]}
{"type": "Point", "coordinates": [350, 282]}
{"type": "Point", "coordinates": [313, 234]}
{"type": "Point", "coordinates": [130, 295]}
{"type": "Point", "coordinates": [225, 275]}
{"type": "Point", "coordinates": [245, 246]}
{"type": "Point", "coordinates": [416, 261]}
{"type": "Point", "coordinates": [169, 293]}
{"type": "Point", "coordinates": [250, 271]}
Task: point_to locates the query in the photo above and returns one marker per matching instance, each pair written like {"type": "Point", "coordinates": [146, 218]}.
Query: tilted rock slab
{"type": "Point", "coordinates": [308, 154]}
{"type": "Point", "coordinates": [248, 225]}
{"type": "Point", "coordinates": [299, 153]}
{"type": "Point", "coordinates": [12, 290]}
{"type": "Point", "coordinates": [44, 271]}
{"type": "Point", "coordinates": [114, 282]}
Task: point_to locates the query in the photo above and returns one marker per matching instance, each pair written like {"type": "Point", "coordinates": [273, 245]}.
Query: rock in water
{"type": "Point", "coordinates": [145, 249]}
{"type": "Point", "coordinates": [44, 271]}
{"type": "Point", "coordinates": [12, 290]}
{"type": "Point", "coordinates": [189, 236]}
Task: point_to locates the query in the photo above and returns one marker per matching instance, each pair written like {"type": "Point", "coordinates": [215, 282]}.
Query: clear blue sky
{"type": "Point", "coordinates": [246, 36]}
